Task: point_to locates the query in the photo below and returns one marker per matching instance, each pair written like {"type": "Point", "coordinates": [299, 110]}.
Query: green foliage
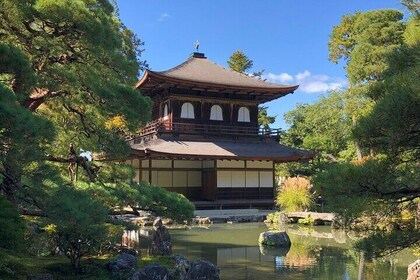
{"type": "Point", "coordinates": [385, 69]}
{"type": "Point", "coordinates": [274, 217]}
{"type": "Point", "coordinates": [67, 69]}
{"type": "Point", "coordinates": [165, 203]}
{"type": "Point", "coordinates": [306, 221]}
{"type": "Point", "coordinates": [383, 243]}
{"type": "Point", "coordinates": [364, 40]}
{"type": "Point", "coordinates": [11, 226]}
{"type": "Point", "coordinates": [293, 169]}
{"type": "Point", "coordinates": [78, 227]}
{"type": "Point", "coordinates": [162, 260]}
{"type": "Point", "coordinates": [264, 120]}
{"type": "Point", "coordinates": [123, 192]}
{"type": "Point", "coordinates": [239, 62]}
{"type": "Point", "coordinates": [338, 184]}
{"type": "Point", "coordinates": [324, 127]}
{"type": "Point", "coordinates": [295, 195]}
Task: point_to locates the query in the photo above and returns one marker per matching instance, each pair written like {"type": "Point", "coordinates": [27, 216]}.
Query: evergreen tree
{"type": "Point", "coordinates": [67, 70]}
{"type": "Point", "coordinates": [386, 185]}
{"type": "Point", "coordinates": [363, 41]}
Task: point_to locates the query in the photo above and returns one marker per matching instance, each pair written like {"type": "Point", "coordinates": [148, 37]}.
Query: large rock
{"type": "Point", "coordinates": [161, 242]}
{"type": "Point", "coordinates": [152, 272]}
{"type": "Point", "coordinates": [124, 264]}
{"type": "Point", "coordinates": [195, 270]}
{"type": "Point", "coordinates": [414, 271]}
{"type": "Point", "coordinates": [182, 265]}
{"type": "Point", "coordinates": [202, 270]}
{"type": "Point", "coordinates": [274, 238]}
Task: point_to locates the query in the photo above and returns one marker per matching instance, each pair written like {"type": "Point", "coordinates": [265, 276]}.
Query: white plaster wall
{"type": "Point", "coordinates": [238, 179]}
{"type": "Point", "coordinates": [259, 164]}
{"type": "Point", "coordinates": [145, 176]}
{"type": "Point", "coordinates": [180, 178]}
{"type": "Point", "coordinates": [231, 163]}
{"type": "Point", "coordinates": [164, 179]}
{"type": "Point", "coordinates": [162, 163]}
{"type": "Point", "coordinates": [187, 164]}
{"type": "Point", "coordinates": [154, 178]}
{"type": "Point", "coordinates": [208, 163]}
{"type": "Point", "coordinates": [194, 178]}
{"type": "Point", "coordinates": [224, 179]}
{"type": "Point", "coordinates": [252, 180]}
{"type": "Point", "coordinates": [136, 177]}
{"type": "Point", "coordinates": [266, 179]}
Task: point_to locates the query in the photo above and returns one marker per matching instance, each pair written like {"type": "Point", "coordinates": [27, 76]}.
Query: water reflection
{"type": "Point", "coordinates": [316, 253]}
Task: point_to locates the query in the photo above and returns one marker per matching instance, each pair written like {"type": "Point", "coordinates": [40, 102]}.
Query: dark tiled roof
{"type": "Point", "coordinates": [222, 149]}
{"type": "Point", "coordinates": [203, 72]}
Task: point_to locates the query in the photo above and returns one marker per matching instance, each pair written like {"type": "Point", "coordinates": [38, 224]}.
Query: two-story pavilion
{"type": "Point", "coordinates": [204, 140]}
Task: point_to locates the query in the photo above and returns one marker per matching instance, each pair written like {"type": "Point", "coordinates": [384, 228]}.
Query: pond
{"type": "Point", "coordinates": [316, 253]}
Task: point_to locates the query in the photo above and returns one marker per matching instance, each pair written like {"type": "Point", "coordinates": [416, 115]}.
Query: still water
{"type": "Point", "coordinates": [316, 253]}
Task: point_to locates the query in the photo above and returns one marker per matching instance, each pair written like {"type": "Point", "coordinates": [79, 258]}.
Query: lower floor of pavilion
{"type": "Point", "coordinates": [210, 180]}
{"type": "Point", "coordinates": [214, 172]}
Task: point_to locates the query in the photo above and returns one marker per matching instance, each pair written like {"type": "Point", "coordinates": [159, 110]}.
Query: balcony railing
{"type": "Point", "coordinates": [158, 127]}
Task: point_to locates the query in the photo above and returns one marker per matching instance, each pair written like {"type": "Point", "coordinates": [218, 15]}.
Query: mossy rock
{"type": "Point", "coordinates": [274, 239]}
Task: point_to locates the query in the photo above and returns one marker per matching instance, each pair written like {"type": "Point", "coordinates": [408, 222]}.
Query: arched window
{"type": "Point", "coordinates": [165, 111]}
{"type": "Point", "coordinates": [243, 115]}
{"type": "Point", "coordinates": [216, 113]}
{"type": "Point", "coordinates": [187, 111]}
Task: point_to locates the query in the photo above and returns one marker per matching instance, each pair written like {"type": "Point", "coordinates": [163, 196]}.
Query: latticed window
{"type": "Point", "coordinates": [216, 113]}
{"type": "Point", "coordinates": [187, 111]}
{"type": "Point", "coordinates": [243, 115]}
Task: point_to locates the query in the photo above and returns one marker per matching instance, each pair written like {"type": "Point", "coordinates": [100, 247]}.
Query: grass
{"type": "Point", "coordinates": [162, 260]}
{"type": "Point", "coordinates": [18, 266]}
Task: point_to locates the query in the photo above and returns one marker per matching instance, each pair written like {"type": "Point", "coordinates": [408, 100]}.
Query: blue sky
{"type": "Point", "coordinates": [289, 39]}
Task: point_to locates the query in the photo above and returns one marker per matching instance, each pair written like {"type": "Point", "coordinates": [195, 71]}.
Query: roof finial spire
{"type": "Point", "coordinates": [196, 45]}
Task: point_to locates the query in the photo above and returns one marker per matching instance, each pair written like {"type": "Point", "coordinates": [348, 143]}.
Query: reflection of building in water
{"type": "Point", "coordinates": [131, 238]}
{"type": "Point", "coordinates": [279, 262]}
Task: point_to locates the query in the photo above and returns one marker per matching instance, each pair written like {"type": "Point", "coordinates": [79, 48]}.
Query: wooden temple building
{"type": "Point", "coordinates": [204, 140]}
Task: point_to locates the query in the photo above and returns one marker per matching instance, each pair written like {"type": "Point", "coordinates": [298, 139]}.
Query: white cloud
{"type": "Point", "coordinates": [164, 16]}
{"type": "Point", "coordinates": [308, 82]}
{"type": "Point", "coordinates": [303, 75]}
{"type": "Point", "coordinates": [280, 78]}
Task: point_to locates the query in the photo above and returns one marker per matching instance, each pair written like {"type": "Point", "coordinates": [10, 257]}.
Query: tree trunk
{"type": "Point", "coordinates": [356, 143]}
{"type": "Point", "coordinates": [361, 264]}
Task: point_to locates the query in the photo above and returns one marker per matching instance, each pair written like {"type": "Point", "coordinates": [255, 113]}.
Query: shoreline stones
{"type": "Point", "coordinates": [274, 239]}
{"type": "Point", "coordinates": [184, 269]}
{"type": "Point", "coordinates": [123, 265]}
{"type": "Point", "coordinates": [195, 269]}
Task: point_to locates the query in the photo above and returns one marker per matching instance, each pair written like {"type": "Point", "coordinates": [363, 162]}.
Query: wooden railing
{"type": "Point", "coordinates": [158, 127]}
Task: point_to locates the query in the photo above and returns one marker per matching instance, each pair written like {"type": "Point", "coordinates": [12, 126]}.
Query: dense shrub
{"type": "Point", "coordinates": [295, 195]}
{"type": "Point", "coordinates": [78, 223]}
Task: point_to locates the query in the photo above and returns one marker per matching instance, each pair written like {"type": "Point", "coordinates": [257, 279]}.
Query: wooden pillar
{"type": "Point", "coordinates": [150, 171]}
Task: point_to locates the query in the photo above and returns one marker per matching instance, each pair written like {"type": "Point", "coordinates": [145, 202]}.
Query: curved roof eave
{"type": "Point", "coordinates": [151, 74]}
